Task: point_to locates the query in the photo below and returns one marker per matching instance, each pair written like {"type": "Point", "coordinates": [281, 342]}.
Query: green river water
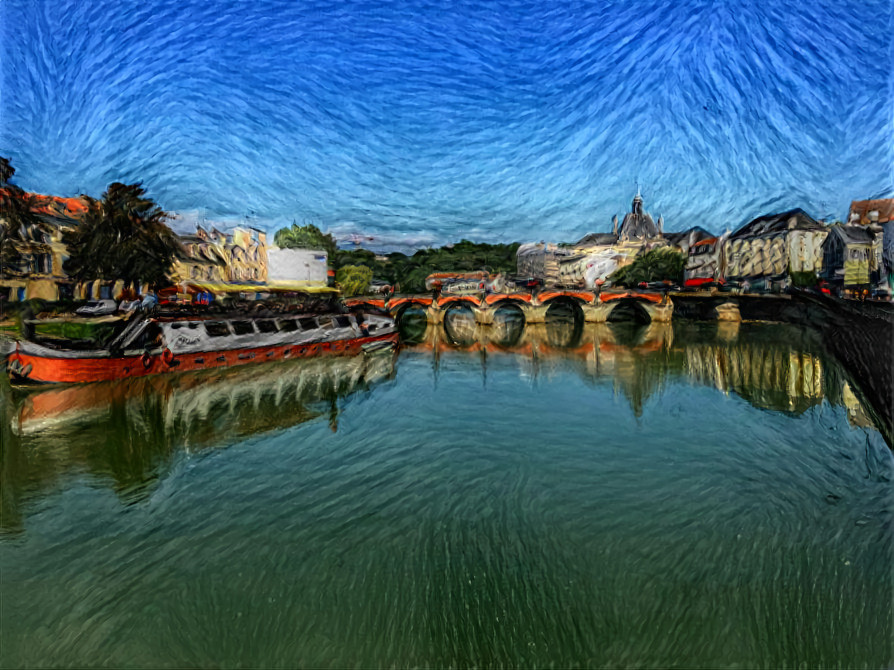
{"type": "Point", "coordinates": [701, 495]}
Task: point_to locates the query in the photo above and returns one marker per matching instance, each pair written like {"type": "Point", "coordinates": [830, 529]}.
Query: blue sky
{"type": "Point", "coordinates": [423, 122]}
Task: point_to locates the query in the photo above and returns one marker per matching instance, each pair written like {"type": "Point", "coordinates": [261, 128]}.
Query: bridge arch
{"type": "Point", "coordinates": [508, 322]}
{"type": "Point", "coordinates": [411, 317]}
{"type": "Point", "coordinates": [564, 321]}
{"type": "Point", "coordinates": [564, 307]}
{"type": "Point", "coordinates": [458, 321]}
{"type": "Point", "coordinates": [629, 309]}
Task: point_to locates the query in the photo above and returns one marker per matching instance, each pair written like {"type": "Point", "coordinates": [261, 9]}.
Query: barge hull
{"type": "Point", "coordinates": [27, 368]}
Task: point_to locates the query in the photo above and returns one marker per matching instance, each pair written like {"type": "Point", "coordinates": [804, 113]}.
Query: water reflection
{"type": "Point", "coordinates": [126, 432]}
{"type": "Point", "coordinates": [512, 513]}
{"type": "Point", "coordinates": [773, 366]}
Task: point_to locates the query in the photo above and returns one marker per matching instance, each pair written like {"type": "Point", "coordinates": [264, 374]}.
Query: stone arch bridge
{"type": "Point", "coordinates": [644, 306]}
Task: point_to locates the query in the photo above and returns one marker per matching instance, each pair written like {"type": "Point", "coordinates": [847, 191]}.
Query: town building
{"type": "Point", "coordinates": [852, 256]}
{"type": "Point", "coordinates": [638, 225]}
{"type": "Point", "coordinates": [766, 251]}
{"type": "Point", "coordinates": [878, 213]}
{"type": "Point", "coordinates": [248, 255]}
{"type": "Point", "coordinates": [540, 261]}
{"type": "Point", "coordinates": [200, 259]}
{"type": "Point", "coordinates": [38, 272]}
{"type": "Point", "coordinates": [587, 262]}
{"type": "Point", "coordinates": [215, 257]}
{"type": "Point", "coordinates": [596, 256]}
{"type": "Point", "coordinates": [297, 265]}
{"type": "Point", "coordinates": [704, 262]}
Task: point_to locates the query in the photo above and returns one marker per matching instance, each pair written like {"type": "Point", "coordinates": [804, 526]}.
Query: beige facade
{"type": "Point", "coordinates": [214, 257]}
{"type": "Point", "coordinates": [40, 273]}
{"type": "Point", "coordinates": [540, 261]}
{"type": "Point", "coordinates": [770, 247]}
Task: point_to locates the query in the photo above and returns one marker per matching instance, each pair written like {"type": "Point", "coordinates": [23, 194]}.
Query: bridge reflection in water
{"type": "Point", "coordinates": [128, 432]}
{"type": "Point", "coordinates": [776, 367]}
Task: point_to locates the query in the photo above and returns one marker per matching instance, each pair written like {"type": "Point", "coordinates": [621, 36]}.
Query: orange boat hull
{"type": "Point", "coordinates": [29, 368]}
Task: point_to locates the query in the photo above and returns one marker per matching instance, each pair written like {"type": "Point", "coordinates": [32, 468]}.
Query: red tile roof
{"type": "Point", "coordinates": [884, 207]}
{"type": "Point", "coordinates": [54, 205]}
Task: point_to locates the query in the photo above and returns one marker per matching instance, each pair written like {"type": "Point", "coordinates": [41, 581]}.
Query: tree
{"type": "Point", "coordinates": [123, 236]}
{"type": "Point", "coordinates": [306, 237]}
{"type": "Point", "coordinates": [353, 280]}
{"type": "Point", "coordinates": [18, 223]}
{"type": "Point", "coordinates": [660, 264]}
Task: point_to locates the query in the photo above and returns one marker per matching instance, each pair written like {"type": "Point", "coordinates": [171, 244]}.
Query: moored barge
{"type": "Point", "coordinates": [150, 345]}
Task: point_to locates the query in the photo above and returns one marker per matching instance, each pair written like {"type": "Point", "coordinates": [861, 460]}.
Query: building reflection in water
{"type": "Point", "coordinates": [773, 366]}
{"type": "Point", "coordinates": [127, 432]}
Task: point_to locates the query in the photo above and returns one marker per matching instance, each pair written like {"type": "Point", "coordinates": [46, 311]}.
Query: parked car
{"type": "Point", "coordinates": [98, 308]}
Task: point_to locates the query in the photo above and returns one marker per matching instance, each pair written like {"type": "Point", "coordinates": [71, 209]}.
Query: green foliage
{"type": "Point", "coordinates": [19, 226]}
{"type": "Point", "coordinates": [122, 236]}
{"type": "Point", "coordinates": [6, 171]}
{"type": "Point", "coordinates": [409, 272]}
{"type": "Point", "coordinates": [353, 279]}
{"type": "Point", "coordinates": [363, 257]}
{"type": "Point", "coordinates": [306, 237]}
{"type": "Point", "coordinates": [804, 279]}
{"type": "Point", "coordinates": [659, 264]}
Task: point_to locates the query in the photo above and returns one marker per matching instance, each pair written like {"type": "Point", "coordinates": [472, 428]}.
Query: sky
{"type": "Point", "coordinates": [421, 122]}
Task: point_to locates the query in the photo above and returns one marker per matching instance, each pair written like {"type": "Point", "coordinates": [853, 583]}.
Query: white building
{"type": "Point", "coordinates": [297, 265]}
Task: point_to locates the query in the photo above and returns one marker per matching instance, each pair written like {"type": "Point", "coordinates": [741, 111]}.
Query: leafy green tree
{"type": "Point", "coordinates": [353, 279]}
{"type": "Point", "coordinates": [306, 237]}
{"type": "Point", "coordinates": [123, 236]}
{"type": "Point", "coordinates": [464, 256]}
{"type": "Point", "coordinates": [18, 223]}
{"type": "Point", "coordinates": [659, 264]}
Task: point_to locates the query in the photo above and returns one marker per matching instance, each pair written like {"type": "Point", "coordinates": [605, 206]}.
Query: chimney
{"type": "Point", "coordinates": [615, 225]}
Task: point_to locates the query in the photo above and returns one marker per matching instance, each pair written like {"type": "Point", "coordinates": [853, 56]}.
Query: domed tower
{"type": "Point", "coordinates": [637, 224]}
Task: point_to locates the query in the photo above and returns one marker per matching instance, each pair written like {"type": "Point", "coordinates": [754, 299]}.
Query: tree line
{"type": "Point", "coordinates": [356, 268]}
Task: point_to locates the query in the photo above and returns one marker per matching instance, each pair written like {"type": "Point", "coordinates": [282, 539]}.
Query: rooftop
{"type": "Point", "coordinates": [771, 224]}
{"type": "Point", "coordinates": [860, 210]}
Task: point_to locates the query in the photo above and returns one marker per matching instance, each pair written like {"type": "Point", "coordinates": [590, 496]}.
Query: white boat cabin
{"type": "Point", "coordinates": [184, 336]}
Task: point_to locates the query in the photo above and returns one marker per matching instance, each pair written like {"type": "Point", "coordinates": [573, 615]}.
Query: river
{"type": "Point", "coordinates": [566, 494]}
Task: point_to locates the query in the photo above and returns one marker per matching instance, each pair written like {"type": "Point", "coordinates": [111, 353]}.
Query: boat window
{"type": "Point", "coordinates": [325, 322]}
{"type": "Point", "coordinates": [308, 323]}
{"type": "Point", "coordinates": [266, 326]}
{"type": "Point", "coordinates": [288, 325]}
{"type": "Point", "coordinates": [343, 322]}
{"type": "Point", "coordinates": [243, 327]}
{"type": "Point", "coordinates": [193, 326]}
{"type": "Point", "coordinates": [217, 328]}
{"type": "Point", "coordinates": [176, 325]}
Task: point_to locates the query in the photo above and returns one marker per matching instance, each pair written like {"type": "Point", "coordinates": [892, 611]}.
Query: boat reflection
{"type": "Point", "coordinates": [127, 431]}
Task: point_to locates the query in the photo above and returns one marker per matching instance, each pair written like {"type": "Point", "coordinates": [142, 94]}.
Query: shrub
{"type": "Point", "coordinates": [353, 279]}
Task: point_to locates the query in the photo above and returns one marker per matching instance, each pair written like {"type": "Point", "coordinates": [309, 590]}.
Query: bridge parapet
{"type": "Point", "coordinates": [595, 307]}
